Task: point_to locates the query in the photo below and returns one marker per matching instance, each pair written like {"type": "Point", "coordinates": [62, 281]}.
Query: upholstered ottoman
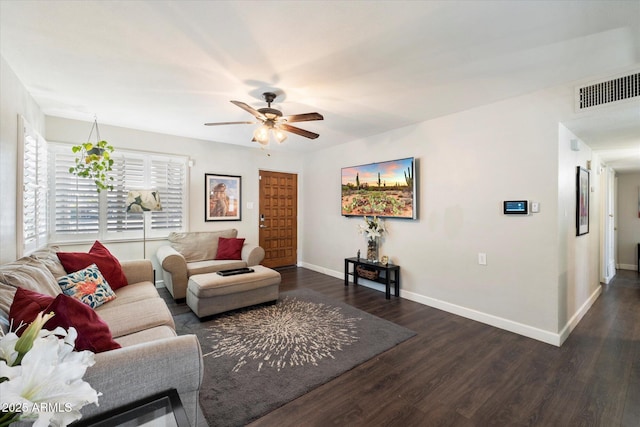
{"type": "Point", "coordinates": [212, 293]}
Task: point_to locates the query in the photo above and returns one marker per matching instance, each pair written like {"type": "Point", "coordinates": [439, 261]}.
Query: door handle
{"type": "Point", "coordinates": [263, 226]}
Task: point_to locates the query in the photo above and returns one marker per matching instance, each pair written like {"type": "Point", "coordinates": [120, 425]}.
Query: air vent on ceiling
{"type": "Point", "coordinates": [619, 89]}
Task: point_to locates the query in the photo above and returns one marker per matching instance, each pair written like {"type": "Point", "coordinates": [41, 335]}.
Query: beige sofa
{"type": "Point", "coordinates": [194, 253]}
{"type": "Point", "coordinates": [152, 358]}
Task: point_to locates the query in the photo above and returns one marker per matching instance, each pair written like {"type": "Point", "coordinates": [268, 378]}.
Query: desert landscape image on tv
{"type": "Point", "coordinates": [385, 189]}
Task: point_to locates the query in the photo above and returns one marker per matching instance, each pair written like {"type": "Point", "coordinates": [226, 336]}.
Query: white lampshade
{"type": "Point", "coordinates": [143, 201]}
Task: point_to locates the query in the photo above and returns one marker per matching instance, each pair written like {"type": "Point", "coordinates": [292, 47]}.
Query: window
{"type": "Point", "coordinates": [32, 184]}
{"type": "Point", "coordinates": [81, 213]}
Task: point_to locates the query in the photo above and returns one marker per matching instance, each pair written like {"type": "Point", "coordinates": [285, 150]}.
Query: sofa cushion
{"type": "Point", "coordinates": [199, 246]}
{"type": "Point", "coordinates": [229, 249]}
{"type": "Point", "coordinates": [6, 298]}
{"type": "Point", "coordinates": [108, 264]}
{"type": "Point", "coordinates": [125, 319]}
{"type": "Point", "coordinates": [202, 267]}
{"type": "Point", "coordinates": [148, 335]}
{"type": "Point", "coordinates": [87, 285]}
{"type": "Point", "coordinates": [29, 273]}
{"type": "Point", "coordinates": [50, 260]}
{"type": "Point", "coordinates": [93, 332]}
{"type": "Point", "coordinates": [136, 292]}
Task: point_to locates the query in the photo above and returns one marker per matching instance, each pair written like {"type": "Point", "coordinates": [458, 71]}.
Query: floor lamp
{"type": "Point", "coordinates": [143, 201]}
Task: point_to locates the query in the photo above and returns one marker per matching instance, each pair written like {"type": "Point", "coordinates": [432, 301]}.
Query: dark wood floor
{"type": "Point", "coordinates": [457, 372]}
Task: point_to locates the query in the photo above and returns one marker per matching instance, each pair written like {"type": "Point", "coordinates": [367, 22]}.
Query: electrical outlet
{"type": "Point", "coordinates": [482, 258]}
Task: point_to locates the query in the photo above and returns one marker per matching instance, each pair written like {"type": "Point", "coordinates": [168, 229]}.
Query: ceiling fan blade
{"type": "Point", "coordinates": [298, 131]}
{"type": "Point", "coordinates": [307, 117]}
{"type": "Point", "coordinates": [229, 123]}
{"type": "Point", "coordinates": [257, 114]}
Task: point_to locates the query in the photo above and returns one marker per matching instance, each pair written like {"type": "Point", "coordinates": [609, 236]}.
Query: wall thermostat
{"type": "Point", "coordinates": [515, 207]}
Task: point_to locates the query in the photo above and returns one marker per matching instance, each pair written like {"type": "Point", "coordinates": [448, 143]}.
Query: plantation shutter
{"type": "Point", "coordinates": [80, 213]}
{"type": "Point", "coordinates": [128, 172]}
{"type": "Point", "coordinates": [76, 202]}
{"type": "Point", "coordinates": [34, 190]}
{"type": "Point", "coordinates": [168, 176]}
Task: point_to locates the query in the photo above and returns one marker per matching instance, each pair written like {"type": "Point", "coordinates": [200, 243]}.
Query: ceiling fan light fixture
{"type": "Point", "coordinates": [272, 120]}
{"type": "Point", "coordinates": [261, 134]}
{"type": "Point", "coordinates": [279, 135]}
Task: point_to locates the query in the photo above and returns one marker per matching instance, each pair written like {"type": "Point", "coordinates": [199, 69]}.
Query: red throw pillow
{"type": "Point", "coordinates": [108, 265]}
{"type": "Point", "coordinates": [93, 332]}
{"type": "Point", "coordinates": [25, 307]}
{"type": "Point", "coordinates": [229, 248]}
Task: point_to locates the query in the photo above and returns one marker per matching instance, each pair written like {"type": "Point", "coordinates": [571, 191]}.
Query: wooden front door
{"type": "Point", "coordinates": [279, 218]}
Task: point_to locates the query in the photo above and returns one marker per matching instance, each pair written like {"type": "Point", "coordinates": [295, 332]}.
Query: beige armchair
{"type": "Point", "coordinates": [194, 253]}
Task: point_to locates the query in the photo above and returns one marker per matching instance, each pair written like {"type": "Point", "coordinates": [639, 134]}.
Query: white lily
{"type": "Point", "coordinates": [46, 382]}
{"type": "Point", "coordinates": [8, 351]}
{"type": "Point", "coordinates": [372, 228]}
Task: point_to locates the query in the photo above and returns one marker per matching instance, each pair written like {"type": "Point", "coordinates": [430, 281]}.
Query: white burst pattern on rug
{"type": "Point", "coordinates": [289, 333]}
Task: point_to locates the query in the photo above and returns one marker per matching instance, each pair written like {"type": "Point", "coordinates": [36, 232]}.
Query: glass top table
{"type": "Point", "coordinates": [160, 410]}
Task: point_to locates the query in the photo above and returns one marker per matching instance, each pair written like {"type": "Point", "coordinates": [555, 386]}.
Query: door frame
{"type": "Point", "coordinates": [608, 241]}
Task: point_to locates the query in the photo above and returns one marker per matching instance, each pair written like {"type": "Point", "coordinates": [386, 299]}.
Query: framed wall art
{"type": "Point", "coordinates": [222, 197]}
{"type": "Point", "coordinates": [385, 189]}
{"type": "Point", "coordinates": [582, 201]}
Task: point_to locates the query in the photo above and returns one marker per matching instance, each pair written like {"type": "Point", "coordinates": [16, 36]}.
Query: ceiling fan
{"type": "Point", "coordinates": [273, 120]}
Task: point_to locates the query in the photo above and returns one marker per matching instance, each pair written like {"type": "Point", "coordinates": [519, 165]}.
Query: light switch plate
{"type": "Point", "coordinates": [535, 207]}
{"type": "Point", "coordinates": [482, 258]}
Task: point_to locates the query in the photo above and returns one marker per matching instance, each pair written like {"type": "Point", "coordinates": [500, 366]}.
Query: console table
{"type": "Point", "coordinates": [385, 271]}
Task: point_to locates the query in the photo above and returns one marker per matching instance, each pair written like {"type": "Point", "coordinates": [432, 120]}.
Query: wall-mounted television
{"type": "Point", "coordinates": [384, 189]}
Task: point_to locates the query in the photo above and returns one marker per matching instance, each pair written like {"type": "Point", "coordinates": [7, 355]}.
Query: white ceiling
{"type": "Point", "coordinates": [367, 66]}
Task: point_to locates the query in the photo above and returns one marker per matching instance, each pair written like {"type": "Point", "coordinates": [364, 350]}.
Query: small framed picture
{"type": "Point", "coordinates": [222, 197]}
{"type": "Point", "coordinates": [582, 201]}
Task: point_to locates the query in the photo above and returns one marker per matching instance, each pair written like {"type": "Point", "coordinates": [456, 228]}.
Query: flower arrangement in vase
{"type": "Point", "coordinates": [373, 228]}
{"type": "Point", "coordinates": [41, 376]}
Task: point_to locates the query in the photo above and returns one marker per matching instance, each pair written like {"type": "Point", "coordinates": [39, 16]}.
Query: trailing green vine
{"type": "Point", "coordinates": [94, 162]}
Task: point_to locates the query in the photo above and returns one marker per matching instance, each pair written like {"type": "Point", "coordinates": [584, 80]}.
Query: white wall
{"type": "Point", "coordinates": [578, 275]}
{"type": "Point", "coordinates": [468, 164]}
{"type": "Point", "coordinates": [628, 220]}
{"type": "Point", "coordinates": [14, 101]}
{"type": "Point", "coordinates": [208, 157]}
{"type": "Point", "coordinates": [539, 276]}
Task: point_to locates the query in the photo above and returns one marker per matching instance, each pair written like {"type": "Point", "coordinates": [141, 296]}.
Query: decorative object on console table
{"type": "Point", "coordinates": [142, 201]}
{"type": "Point", "coordinates": [222, 197]}
{"type": "Point", "coordinates": [373, 246]}
{"type": "Point", "coordinates": [368, 274]}
{"type": "Point", "coordinates": [373, 228]}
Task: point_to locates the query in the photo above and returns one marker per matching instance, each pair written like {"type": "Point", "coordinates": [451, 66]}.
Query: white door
{"type": "Point", "coordinates": [610, 229]}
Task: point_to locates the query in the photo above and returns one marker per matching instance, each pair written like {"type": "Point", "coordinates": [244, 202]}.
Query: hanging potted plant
{"type": "Point", "coordinates": [94, 161]}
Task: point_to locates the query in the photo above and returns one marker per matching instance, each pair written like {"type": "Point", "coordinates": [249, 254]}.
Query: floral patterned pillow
{"type": "Point", "coordinates": [87, 285]}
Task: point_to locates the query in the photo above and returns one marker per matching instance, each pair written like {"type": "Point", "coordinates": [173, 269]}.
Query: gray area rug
{"type": "Point", "coordinates": [258, 359]}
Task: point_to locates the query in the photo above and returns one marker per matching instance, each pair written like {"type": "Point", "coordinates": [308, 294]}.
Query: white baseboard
{"type": "Point", "coordinates": [575, 319]}
{"type": "Point", "coordinates": [552, 338]}
{"type": "Point", "coordinates": [632, 267]}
